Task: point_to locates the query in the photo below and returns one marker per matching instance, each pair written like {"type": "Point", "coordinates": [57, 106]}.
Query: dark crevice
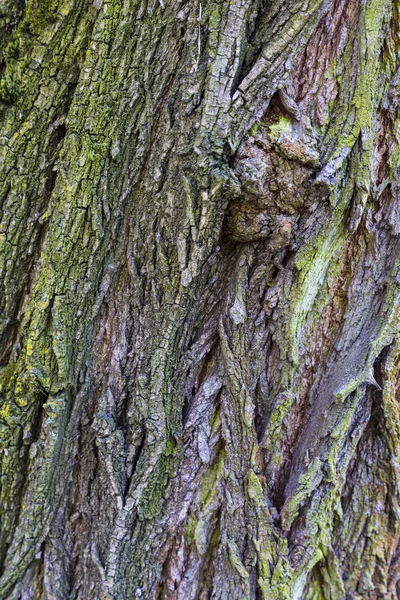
{"type": "Point", "coordinates": [262, 412]}
{"type": "Point", "coordinates": [253, 49]}
{"type": "Point", "coordinates": [7, 340]}
{"type": "Point", "coordinates": [37, 425]}
{"type": "Point", "coordinates": [4, 198]}
{"type": "Point", "coordinates": [185, 410]}
{"type": "Point", "coordinates": [373, 430]}
{"type": "Point", "coordinates": [135, 461]}
{"type": "Point", "coordinates": [278, 493]}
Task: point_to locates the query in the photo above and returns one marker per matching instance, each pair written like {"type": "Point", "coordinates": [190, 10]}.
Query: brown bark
{"type": "Point", "coordinates": [199, 330]}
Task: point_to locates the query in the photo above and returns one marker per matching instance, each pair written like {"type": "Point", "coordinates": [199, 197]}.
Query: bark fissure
{"type": "Point", "coordinates": [199, 313]}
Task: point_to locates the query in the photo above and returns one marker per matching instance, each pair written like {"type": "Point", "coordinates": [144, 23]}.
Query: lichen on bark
{"type": "Point", "coordinates": [199, 330]}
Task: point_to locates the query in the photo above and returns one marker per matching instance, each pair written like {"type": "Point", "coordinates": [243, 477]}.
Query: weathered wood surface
{"type": "Point", "coordinates": [199, 305]}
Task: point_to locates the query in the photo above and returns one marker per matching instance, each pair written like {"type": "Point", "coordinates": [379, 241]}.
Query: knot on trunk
{"type": "Point", "coordinates": [274, 166]}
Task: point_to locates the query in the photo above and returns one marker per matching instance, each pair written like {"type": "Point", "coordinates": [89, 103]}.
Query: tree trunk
{"type": "Point", "coordinates": [200, 299]}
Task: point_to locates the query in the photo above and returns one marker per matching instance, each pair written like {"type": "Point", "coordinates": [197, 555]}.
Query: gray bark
{"type": "Point", "coordinates": [199, 326]}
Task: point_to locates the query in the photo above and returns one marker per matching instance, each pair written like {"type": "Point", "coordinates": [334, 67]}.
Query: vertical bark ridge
{"type": "Point", "coordinates": [193, 357]}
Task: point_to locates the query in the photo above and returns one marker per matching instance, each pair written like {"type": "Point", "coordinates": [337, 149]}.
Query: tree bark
{"type": "Point", "coordinates": [200, 299]}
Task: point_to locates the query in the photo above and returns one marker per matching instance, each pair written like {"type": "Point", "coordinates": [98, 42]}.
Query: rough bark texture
{"type": "Point", "coordinates": [200, 299]}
